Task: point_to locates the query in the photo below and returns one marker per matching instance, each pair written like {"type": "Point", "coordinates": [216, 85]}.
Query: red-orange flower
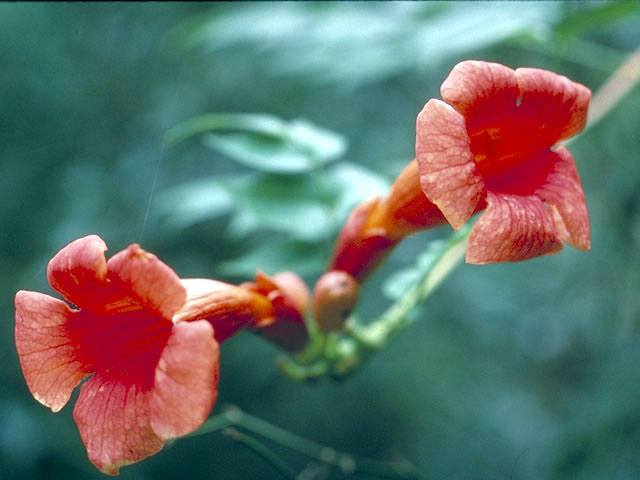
{"type": "Point", "coordinates": [491, 145]}
{"type": "Point", "coordinates": [145, 335]}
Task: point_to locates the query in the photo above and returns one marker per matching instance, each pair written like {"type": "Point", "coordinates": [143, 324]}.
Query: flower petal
{"type": "Point", "coordinates": [290, 297]}
{"type": "Point", "coordinates": [563, 190]}
{"type": "Point", "coordinates": [150, 281]}
{"type": "Point", "coordinates": [484, 93]}
{"type": "Point", "coordinates": [79, 270]}
{"type": "Point", "coordinates": [48, 357]}
{"type": "Point", "coordinates": [552, 106]}
{"type": "Point", "coordinates": [512, 228]}
{"type": "Point", "coordinates": [186, 380]}
{"type": "Point", "coordinates": [114, 423]}
{"type": "Point", "coordinates": [552, 176]}
{"type": "Point", "coordinates": [291, 285]}
{"type": "Point", "coordinates": [448, 173]}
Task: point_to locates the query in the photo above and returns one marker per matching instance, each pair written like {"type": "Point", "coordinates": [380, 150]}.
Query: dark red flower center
{"type": "Point", "coordinates": [122, 344]}
{"type": "Point", "coordinates": [498, 149]}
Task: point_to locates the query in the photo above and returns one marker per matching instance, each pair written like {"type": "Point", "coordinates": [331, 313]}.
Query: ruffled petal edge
{"type": "Point", "coordinates": [562, 190]}
{"type": "Point", "coordinates": [186, 380]}
{"type": "Point", "coordinates": [150, 281]}
{"type": "Point", "coordinates": [554, 104]}
{"type": "Point", "coordinates": [483, 92]}
{"type": "Point", "coordinates": [48, 357]}
{"type": "Point", "coordinates": [512, 228]}
{"type": "Point", "coordinates": [114, 423]}
{"type": "Point", "coordinates": [448, 173]}
{"type": "Point", "coordinates": [79, 270]}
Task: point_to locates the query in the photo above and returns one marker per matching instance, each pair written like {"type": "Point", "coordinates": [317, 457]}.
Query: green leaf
{"type": "Point", "coordinates": [264, 142]}
{"type": "Point", "coordinates": [307, 207]}
{"type": "Point", "coordinates": [355, 183]}
{"type": "Point", "coordinates": [304, 258]}
{"type": "Point", "coordinates": [301, 206]}
{"type": "Point", "coordinates": [323, 47]}
{"type": "Point", "coordinates": [267, 125]}
{"type": "Point", "coordinates": [589, 17]}
{"type": "Point", "coordinates": [193, 203]}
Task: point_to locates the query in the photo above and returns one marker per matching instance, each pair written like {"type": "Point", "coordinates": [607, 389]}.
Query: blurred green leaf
{"type": "Point", "coordinates": [322, 45]}
{"type": "Point", "coordinates": [302, 206]}
{"type": "Point", "coordinates": [476, 25]}
{"type": "Point", "coordinates": [250, 122]}
{"type": "Point", "coordinates": [307, 207]}
{"type": "Point", "coordinates": [194, 202]}
{"type": "Point", "coordinates": [299, 205]}
{"type": "Point", "coordinates": [264, 142]}
{"type": "Point", "coordinates": [589, 16]}
{"type": "Point", "coordinates": [355, 183]}
{"type": "Point", "coordinates": [275, 256]}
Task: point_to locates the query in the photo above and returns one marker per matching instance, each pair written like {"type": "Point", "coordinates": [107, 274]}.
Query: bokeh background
{"type": "Point", "coordinates": [518, 371]}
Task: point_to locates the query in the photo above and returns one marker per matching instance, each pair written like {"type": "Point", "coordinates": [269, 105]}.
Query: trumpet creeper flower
{"type": "Point", "coordinates": [154, 375]}
{"type": "Point", "coordinates": [492, 144]}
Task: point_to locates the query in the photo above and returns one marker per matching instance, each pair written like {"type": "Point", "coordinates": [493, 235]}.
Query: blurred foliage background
{"type": "Point", "coordinates": [520, 371]}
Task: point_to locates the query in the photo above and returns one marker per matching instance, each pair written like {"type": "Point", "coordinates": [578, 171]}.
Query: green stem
{"type": "Point", "coordinates": [341, 354]}
{"type": "Point", "coordinates": [347, 464]}
{"type": "Point", "coordinates": [377, 334]}
{"type": "Point", "coordinates": [214, 424]}
{"type": "Point", "coordinates": [263, 451]}
{"type": "Point", "coordinates": [282, 436]}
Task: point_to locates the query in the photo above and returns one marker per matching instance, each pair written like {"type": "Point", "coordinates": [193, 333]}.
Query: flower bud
{"type": "Point", "coordinates": [334, 298]}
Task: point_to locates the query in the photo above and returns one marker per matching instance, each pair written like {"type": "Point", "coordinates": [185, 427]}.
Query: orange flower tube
{"type": "Point", "coordinates": [377, 225]}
